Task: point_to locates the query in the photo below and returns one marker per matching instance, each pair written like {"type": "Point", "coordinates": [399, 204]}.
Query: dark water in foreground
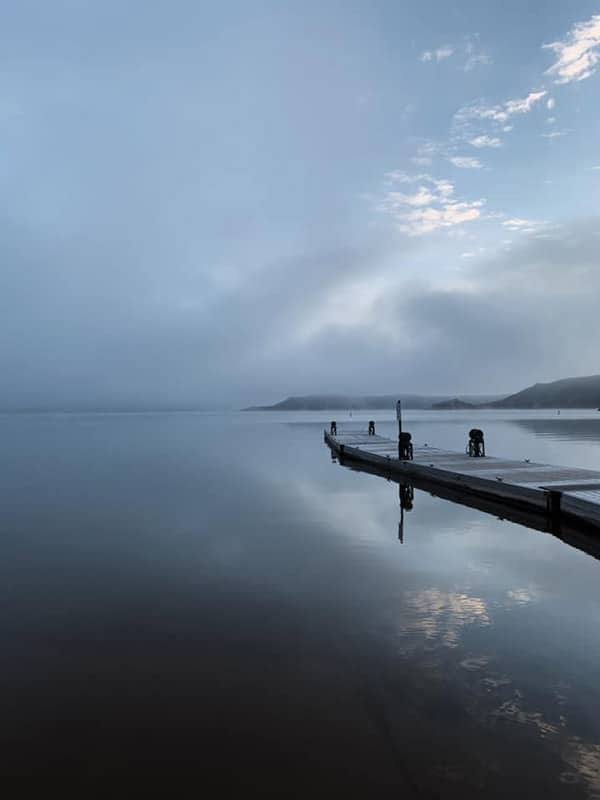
{"type": "Point", "coordinates": [208, 597]}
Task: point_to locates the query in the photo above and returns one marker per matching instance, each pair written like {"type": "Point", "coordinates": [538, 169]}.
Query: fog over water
{"type": "Point", "coordinates": [208, 595]}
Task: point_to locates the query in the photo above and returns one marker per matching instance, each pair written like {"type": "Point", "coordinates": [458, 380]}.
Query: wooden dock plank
{"type": "Point", "coordinates": [527, 484]}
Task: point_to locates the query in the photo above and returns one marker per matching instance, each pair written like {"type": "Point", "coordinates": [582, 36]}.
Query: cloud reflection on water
{"type": "Point", "coordinates": [441, 615]}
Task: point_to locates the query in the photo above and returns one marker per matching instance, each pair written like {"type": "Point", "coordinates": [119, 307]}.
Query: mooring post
{"type": "Point", "coordinates": [476, 445]}
{"type": "Point", "coordinates": [405, 448]}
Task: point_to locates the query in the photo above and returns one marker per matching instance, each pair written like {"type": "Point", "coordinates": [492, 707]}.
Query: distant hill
{"type": "Point", "coordinates": [356, 403]}
{"type": "Point", "coordinates": [566, 393]}
{"type": "Point", "coordinates": [455, 405]}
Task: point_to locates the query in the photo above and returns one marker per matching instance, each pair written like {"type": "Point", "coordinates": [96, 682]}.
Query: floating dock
{"type": "Point", "coordinates": [555, 492]}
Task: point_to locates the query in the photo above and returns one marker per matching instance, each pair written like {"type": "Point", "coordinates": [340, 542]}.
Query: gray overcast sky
{"type": "Point", "coordinates": [227, 203]}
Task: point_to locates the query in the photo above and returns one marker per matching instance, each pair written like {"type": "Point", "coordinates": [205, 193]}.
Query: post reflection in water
{"type": "Point", "coordinates": [406, 493]}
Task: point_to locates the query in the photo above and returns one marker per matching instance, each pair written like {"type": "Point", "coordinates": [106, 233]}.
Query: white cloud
{"type": "Point", "coordinates": [428, 220]}
{"type": "Point", "coordinates": [421, 161]}
{"type": "Point", "coordinates": [445, 188]}
{"type": "Point", "coordinates": [551, 103]}
{"type": "Point", "coordinates": [469, 48]}
{"type": "Point", "coordinates": [495, 113]}
{"type": "Point", "coordinates": [551, 120]}
{"type": "Point", "coordinates": [440, 54]}
{"type": "Point", "coordinates": [486, 141]}
{"type": "Point", "coordinates": [501, 113]}
{"type": "Point", "coordinates": [429, 208]}
{"type": "Point", "coordinates": [443, 52]}
{"type": "Point", "coordinates": [523, 225]}
{"type": "Point", "coordinates": [553, 135]}
{"type": "Point", "coordinates": [598, 167]}
{"type": "Point", "coordinates": [422, 197]}
{"type": "Point", "coordinates": [466, 162]}
{"type": "Point", "coordinates": [525, 105]}
{"type": "Point", "coordinates": [578, 54]}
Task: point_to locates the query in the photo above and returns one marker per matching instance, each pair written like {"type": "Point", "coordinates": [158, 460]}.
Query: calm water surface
{"type": "Point", "coordinates": [209, 597]}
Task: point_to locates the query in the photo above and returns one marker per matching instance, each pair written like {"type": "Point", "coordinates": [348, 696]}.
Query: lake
{"type": "Point", "coordinates": [210, 598]}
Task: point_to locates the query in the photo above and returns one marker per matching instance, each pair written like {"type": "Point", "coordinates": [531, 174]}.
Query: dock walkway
{"type": "Point", "coordinates": [550, 490]}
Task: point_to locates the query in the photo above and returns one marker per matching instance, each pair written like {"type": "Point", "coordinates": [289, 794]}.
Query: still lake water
{"type": "Point", "coordinates": [209, 596]}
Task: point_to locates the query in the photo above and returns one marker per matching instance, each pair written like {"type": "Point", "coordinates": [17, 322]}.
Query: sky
{"type": "Point", "coordinates": [219, 204]}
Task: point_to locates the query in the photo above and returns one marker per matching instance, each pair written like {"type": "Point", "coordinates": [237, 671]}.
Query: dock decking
{"type": "Point", "coordinates": [549, 490]}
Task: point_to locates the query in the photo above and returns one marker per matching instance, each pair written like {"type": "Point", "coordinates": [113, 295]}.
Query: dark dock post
{"type": "Point", "coordinates": [405, 448]}
{"type": "Point", "coordinates": [476, 446]}
{"type": "Point", "coordinates": [399, 418]}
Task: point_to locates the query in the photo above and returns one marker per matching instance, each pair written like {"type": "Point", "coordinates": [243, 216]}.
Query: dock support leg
{"type": "Point", "coordinates": [553, 504]}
